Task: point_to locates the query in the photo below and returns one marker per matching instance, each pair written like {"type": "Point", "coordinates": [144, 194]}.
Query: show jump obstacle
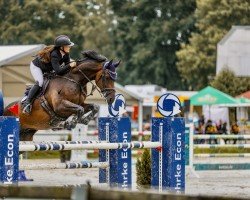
{"type": "Point", "coordinates": [115, 166]}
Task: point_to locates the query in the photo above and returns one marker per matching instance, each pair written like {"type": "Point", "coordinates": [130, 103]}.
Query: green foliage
{"type": "Point", "coordinates": [97, 26]}
{"type": "Point", "coordinates": [36, 22]}
{"type": "Point", "coordinates": [197, 60]}
{"type": "Point", "coordinates": [146, 36]}
{"type": "Point", "coordinates": [221, 150]}
{"type": "Point", "coordinates": [227, 82]}
{"type": "Point", "coordinates": [143, 170]}
{"type": "Point", "coordinates": [43, 155]}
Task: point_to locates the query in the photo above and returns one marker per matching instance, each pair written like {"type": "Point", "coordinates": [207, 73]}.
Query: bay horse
{"type": "Point", "coordinates": [61, 104]}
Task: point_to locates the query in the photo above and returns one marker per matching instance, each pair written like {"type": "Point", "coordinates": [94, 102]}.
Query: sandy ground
{"type": "Point", "coordinates": [222, 183]}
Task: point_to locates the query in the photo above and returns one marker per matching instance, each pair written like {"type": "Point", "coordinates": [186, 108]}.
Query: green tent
{"type": "Point", "coordinates": [243, 100]}
{"type": "Point", "coordinates": [240, 102]}
{"type": "Point", "coordinates": [211, 96]}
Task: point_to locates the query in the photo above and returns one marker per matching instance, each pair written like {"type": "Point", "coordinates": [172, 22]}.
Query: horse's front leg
{"type": "Point", "coordinates": [90, 110]}
{"type": "Point", "coordinates": [68, 109]}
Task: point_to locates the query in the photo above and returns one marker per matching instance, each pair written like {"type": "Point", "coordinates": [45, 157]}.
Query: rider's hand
{"type": "Point", "coordinates": [72, 64]}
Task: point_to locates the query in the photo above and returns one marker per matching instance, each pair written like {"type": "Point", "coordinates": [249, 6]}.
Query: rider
{"type": "Point", "coordinates": [58, 61]}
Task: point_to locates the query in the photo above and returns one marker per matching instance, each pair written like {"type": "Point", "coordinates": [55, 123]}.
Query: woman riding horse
{"type": "Point", "coordinates": [52, 58]}
{"type": "Point", "coordinates": [62, 102]}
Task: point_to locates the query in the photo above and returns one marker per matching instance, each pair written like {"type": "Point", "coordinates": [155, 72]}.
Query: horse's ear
{"type": "Point", "coordinates": [117, 64]}
{"type": "Point", "coordinates": [109, 64]}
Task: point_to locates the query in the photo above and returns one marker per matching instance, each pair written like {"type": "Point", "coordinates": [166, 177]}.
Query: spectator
{"type": "Point", "coordinates": [210, 129]}
{"type": "Point", "coordinates": [235, 130]}
{"type": "Point", "coordinates": [199, 129]}
{"type": "Point", "coordinates": [202, 120]}
{"type": "Point", "coordinates": [219, 127]}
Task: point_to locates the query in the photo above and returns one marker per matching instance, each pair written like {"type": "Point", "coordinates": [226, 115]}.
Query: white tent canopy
{"type": "Point", "coordinates": [18, 54]}
{"type": "Point", "coordinates": [14, 68]}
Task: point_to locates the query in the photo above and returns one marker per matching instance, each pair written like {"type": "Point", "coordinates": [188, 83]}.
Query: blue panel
{"type": "Point", "coordinates": [1, 104]}
{"type": "Point", "coordinates": [9, 149]}
{"type": "Point", "coordinates": [113, 153]}
{"type": "Point", "coordinates": [173, 156]}
{"type": "Point", "coordinates": [177, 155]}
{"type": "Point", "coordinates": [187, 138]}
{"type": "Point", "coordinates": [155, 154]}
{"type": "Point", "coordinates": [119, 159]}
{"type": "Point", "coordinates": [105, 124]}
{"type": "Point", "coordinates": [124, 155]}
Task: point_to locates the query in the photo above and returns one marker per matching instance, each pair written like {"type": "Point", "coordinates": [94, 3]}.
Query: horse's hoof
{"type": "Point", "coordinates": [69, 126]}
{"type": "Point", "coordinates": [86, 118]}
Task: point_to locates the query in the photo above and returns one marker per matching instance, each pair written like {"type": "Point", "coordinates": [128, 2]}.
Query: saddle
{"type": "Point", "coordinates": [47, 78]}
{"type": "Point", "coordinates": [55, 118]}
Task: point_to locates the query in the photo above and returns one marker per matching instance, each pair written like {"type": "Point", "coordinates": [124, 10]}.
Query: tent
{"type": "Point", "coordinates": [211, 96]}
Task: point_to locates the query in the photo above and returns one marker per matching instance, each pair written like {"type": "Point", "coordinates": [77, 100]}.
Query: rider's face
{"type": "Point", "coordinates": [67, 48]}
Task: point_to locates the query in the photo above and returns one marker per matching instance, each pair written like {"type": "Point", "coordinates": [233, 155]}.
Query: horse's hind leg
{"type": "Point", "coordinates": [90, 112]}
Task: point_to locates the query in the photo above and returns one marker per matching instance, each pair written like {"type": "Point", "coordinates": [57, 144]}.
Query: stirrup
{"type": "Point", "coordinates": [27, 109]}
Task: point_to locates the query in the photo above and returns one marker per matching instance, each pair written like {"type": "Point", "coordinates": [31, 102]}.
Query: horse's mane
{"type": "Point", "coordinates": [93, 55]}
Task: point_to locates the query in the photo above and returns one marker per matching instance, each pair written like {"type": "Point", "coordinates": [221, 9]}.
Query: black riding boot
{"type": "Point", "coordinates": [30, 98]}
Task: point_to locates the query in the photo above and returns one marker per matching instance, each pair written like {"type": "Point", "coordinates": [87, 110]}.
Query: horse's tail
{"type": "Point", "coordinates": [12, 109]}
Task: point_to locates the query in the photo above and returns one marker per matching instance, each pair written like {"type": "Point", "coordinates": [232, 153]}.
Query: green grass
{"type": "Point", "coordinates": [221, 150]}
{"type": "Point", "coordinates": [44, 155]}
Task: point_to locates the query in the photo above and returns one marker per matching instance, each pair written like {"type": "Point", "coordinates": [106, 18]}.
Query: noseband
{"type": "Point", "coordinates": [105, 92]}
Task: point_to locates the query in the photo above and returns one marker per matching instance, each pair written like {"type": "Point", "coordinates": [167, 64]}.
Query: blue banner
{"type": "Point", "coordinates": [124, 160]}
{"type": "Point", "coordinates": [9, 149]}
{"type": "Point", "coordinates": [115, 130]}
{"type": "Point", "coordinates": [168, 163]}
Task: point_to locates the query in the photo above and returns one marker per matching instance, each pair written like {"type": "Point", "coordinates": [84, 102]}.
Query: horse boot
{"type": "Point", "coordinates": [27, 107]}
{"type": "Point", "coordinates": [85, 119]}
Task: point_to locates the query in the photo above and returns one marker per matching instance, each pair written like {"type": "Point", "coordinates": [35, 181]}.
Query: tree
{"type": "Point", "coordinates": [197, 60]}
{"type": "Point", "coordinates": [143, 170]}
{"type": "Point", "coordinates": [35, 21]}
{"type": "Point", "coordinates": [146, 36]}
{"type": "Point", "coordinates": [227, 82]}
{"type": "Point", "coordinates": [86, 22]}
{"type": "Point", "coordinates": [97, 26]}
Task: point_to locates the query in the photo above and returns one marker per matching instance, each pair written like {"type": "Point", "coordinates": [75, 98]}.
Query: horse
{"type": "Point", "coordinates": [62, 102]}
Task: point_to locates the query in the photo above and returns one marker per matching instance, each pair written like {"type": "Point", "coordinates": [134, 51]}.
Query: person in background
{"type": "Point", "coordinates": [210, 129]}
{"type": "Point", "coordinates": [219, 127]}
{"type": "Point", "coordinates": [235, 130]}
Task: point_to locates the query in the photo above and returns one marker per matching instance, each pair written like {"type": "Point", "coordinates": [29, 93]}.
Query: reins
{"type": "Point", "coordinates": [104, 92]}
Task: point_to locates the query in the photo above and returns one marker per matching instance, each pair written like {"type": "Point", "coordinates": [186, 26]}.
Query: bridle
{"type": "Point", "coordinates": [105, 92]}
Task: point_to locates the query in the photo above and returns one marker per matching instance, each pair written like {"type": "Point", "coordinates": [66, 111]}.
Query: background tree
{"type": "Point", "coordinates": [197, 60]}
{"type": "Point", "coordinates": [227, 82]}
{"type": "Point", "coordinates": [143, 170]}
{"type": "Point", "coordinates": [147, 35]}
{"type": "Point", "coordinates": [97, 18]}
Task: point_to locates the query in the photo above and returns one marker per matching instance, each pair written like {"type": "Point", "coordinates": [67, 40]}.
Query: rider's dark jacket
{"type": "Point", "coordinates": [59, 63]}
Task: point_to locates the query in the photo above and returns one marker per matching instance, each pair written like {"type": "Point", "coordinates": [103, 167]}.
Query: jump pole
{"type": "Point", "coordinates": [168, 163]}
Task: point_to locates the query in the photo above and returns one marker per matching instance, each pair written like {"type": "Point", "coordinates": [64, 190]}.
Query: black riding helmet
{"type": "Point", "coordinates": [63, 40]}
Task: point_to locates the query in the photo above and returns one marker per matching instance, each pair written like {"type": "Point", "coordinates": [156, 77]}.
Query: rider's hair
{"type": "Point", "coordinates": [44, 54]}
